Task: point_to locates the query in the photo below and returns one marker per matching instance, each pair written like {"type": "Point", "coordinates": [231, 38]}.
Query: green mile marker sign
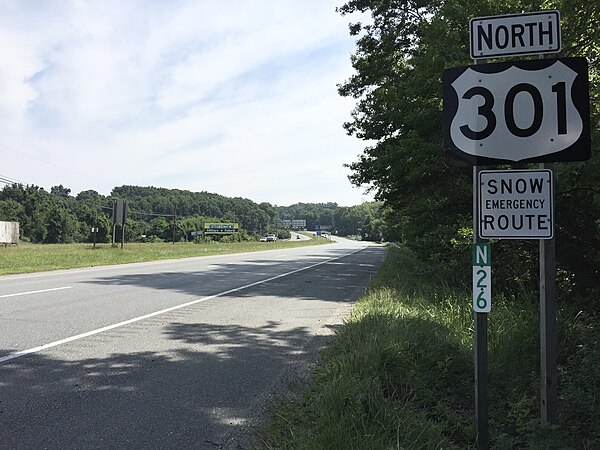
{"type": "Point", "coordinates": [482, 278]}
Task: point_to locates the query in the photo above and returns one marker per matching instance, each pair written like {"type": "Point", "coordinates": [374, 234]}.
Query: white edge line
{"type": "Point", "coordinates": [162, 311]}
{"type": "Point", "coordinates": [36, 292]}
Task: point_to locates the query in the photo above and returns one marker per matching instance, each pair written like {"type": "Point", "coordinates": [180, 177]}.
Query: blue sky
{"type": "Point", "coordinates": [233, 97]}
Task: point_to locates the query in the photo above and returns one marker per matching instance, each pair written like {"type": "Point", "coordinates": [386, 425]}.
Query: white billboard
{"type": "Point", "coordinates": [9, 232]}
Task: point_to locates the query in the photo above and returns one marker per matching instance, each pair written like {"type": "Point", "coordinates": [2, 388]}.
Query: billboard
{"type": "Point", "coordinates": [9, 232]}
{"type": "Point", "coordinates": [294, 223]}
{"type": "Point", "coordinates": [221, 228]}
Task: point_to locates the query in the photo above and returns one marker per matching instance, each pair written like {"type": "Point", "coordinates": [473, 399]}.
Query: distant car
{"type": "Point", "coordinates": [271, 238]}
{"type": "Point", "coordinates": [263, 239]}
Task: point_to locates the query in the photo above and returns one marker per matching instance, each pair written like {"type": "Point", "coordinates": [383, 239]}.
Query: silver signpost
{"type": "Point", "coordinates": [534, 111]}
{"type": "Point", "coordinates": [548, 338]}
{"type": "Point", "coordinates": [480, 343]}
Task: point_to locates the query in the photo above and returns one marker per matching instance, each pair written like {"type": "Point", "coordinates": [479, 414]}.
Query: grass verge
{"type": "Point", "coordinates": [26, 258]}
{"type": "Point", "coordinates": [399, 374]}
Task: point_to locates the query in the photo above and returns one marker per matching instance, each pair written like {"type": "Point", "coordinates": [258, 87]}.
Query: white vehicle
{"type": "Point", "coordinates": [271, 238]}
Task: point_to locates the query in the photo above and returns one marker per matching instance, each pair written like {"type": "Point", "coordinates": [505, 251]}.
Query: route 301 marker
{"type": "Point", "coordinates": [482, 278]}
{"type": "Point", "coordinates": [519, 111]}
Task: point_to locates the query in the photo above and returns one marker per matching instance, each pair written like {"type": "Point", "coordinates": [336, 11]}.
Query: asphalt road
{"type": "Point", "coordinates": [172, 354]}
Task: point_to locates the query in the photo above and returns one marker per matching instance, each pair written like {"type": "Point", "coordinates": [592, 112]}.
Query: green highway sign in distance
{"type": "Point", "coordinates": [482, 278]}
{"type": "Point", "coordinates": [220, 228]}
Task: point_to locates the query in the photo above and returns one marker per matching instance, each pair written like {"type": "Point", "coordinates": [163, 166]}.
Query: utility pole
{"type": "Point", "coordinates": [174, 223]}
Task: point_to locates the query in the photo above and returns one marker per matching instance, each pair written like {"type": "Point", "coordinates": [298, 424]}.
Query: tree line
{"type": "Point", "coordinates": [160, 214]}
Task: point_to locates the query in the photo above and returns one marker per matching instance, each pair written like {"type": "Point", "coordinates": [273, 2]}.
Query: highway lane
{"type": "Point", "coordinates": [173, 354]}
{"type": "Point", "coordinates": [57, 305]}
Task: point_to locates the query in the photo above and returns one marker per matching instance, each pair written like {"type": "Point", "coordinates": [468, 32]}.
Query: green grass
{"type": "Point", "coordinates": [399, 374]}
{"type": "Point", "coordinates": [26, 258]}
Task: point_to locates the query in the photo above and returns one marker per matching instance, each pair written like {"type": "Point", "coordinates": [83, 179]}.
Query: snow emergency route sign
{"type": "Point", "coordinates": [515, 204]}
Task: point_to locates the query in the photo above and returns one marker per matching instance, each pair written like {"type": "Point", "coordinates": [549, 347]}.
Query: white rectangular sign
{"type": "Point", "coordinates": [298, 223]}
{"type": "Point", "coordinates": [515, 204]}
{"type": "Point", "coordinates": [515, 34]}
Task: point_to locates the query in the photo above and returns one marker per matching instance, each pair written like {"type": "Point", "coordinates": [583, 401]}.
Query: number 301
{"type": "Point", "coordinates": [486, 111]}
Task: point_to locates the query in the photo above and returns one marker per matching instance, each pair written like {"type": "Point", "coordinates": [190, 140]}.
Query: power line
{"type": "Point", "coordinates": [150, 214]}
{"type": "Point", "coordinates": [8, 180]}
{"type": "Point", "coordinates": [38, 159]}
{"type": "Point", "coordinates": [130, 211]}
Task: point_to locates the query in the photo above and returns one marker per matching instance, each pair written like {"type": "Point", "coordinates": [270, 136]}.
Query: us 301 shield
{"type": "Point", "coordinates": [527, 111]}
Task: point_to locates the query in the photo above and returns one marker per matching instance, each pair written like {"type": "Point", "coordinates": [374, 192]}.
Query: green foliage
{"type": "Point", "coordinates": [11, 211]}
{"type": "Point", "coordinates": [314, 213]}
{"type": "Point", "coordinates": [365, 220]}
{"type": "Point", "coordinates": [60, 191]}
{"type": "Point", "coordinates": [241, 236]}
{"type": "Point", "coordinates": [400, 55]}
{"type": "Point", "coordinates": [58, 217]}
{"type": "Point", "coordinates": [185, 204]}
{"type": "Point", "coordinates": [204, 240]}
{"type": "Point", "coordinates": [282, 233]}
{"type": "Point", "coordinates": [61, 226]}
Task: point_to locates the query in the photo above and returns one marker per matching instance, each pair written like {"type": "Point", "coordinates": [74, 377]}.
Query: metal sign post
{"type": "Point", "coordinates": [480, 343]}
{"type": "Point", "coordinates": [480, 346]}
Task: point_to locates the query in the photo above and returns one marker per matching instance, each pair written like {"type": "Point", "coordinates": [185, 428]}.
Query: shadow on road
{"type": "Point", "coordinates": [338, 275]}
{"type": "Point", "coordinates": [206, 388]}
{"type": "Point", "coordinates": [202, 387]}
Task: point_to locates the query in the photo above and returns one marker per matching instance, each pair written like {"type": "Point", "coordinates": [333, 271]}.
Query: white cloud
{"type": "Point", "coordinates": [237, 98]}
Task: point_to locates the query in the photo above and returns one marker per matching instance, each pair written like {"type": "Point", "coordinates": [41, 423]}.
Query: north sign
{"type": "Point", "coordinates": [515, 34]}
{"type": "Point", "coordinates": [520, 111]}
{"type": "Point", "coordinates": [515, 204]}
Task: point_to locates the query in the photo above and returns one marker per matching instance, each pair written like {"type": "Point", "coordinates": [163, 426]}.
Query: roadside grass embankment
{"type": "Point", "coordinates": [399, 373]}
{"type": "Point", "coordinates": [26, 257]}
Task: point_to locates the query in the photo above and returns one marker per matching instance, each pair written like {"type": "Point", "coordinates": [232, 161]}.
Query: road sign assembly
{"type": "Point", "coordinates": [534, 111]}
{"type": "Point", "coordinates": [515, 204]}
{"type": "Point", "coordinates": [515, 34]}
{"type": "Point", "coordinates": [519, 111]}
